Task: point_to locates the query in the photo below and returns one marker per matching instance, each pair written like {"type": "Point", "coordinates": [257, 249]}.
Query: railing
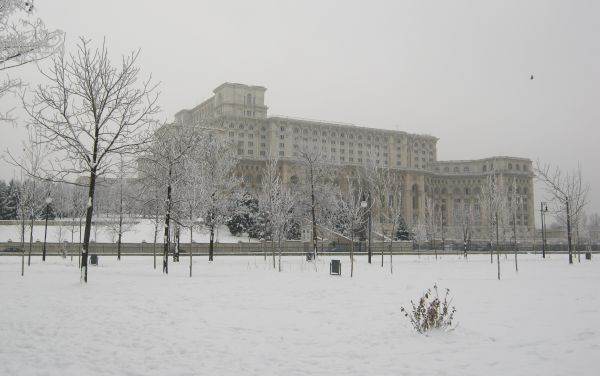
{"type": "Point", "coordinates": [288, 248]}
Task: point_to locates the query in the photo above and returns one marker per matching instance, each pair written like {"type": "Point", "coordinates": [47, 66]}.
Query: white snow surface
{"type": "Point", "coordinates": [142, 230]}
{"type": "Point", "coordinates": [237, 316]}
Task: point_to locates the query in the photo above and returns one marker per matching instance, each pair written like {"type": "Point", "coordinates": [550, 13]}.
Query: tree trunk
{"type": "Point", "coordinates": [515, 241]}
{"type": "Point", "coordinates": [72, 237]}
{"type": "Point", "coordinates": [497, 246]}
{"type": "Point", "coordinates": [313, 214]}
{"type": "Point", "coordinates": [79, 251]}
{"type": "Point", "coordinates": [45, 234]}
{"type": "Point", "coordinates": [352, 256]}
{"type": "Point", "coordinates": [167, 228]}
{"type": "Point", "coordinates": [211, 243]}
{"type": "Point", "coordinates": [391, 253]}
{"type": "Point", "coordinates": [30, 241]}
{"type": "Point", "coordinates": [176, 231]}
{"type": "Point", "coordinates": [569, 230]}
{"type": "Point", "coordinates": [273, 250]}
{"type": "Point", "coordinates": [577, 244]}
{"type": "Point", "coordinates": [279, 245]}
{"type": "Point", "coordinates": [22, 242]}
{"type": "Point", "coordinates": [155, 235]}
{"type": "Point", "coordinates": [88, 223]}
{"type": "Point", "coordinates": [191, 243]}
{"type": "Point", "coordinates": [120, 236]}
{"type": "Point", "coordinates": [369, 227]}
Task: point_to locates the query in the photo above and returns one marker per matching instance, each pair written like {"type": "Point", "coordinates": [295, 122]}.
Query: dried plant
{"type": "Point", "coordinates": [431, 313]}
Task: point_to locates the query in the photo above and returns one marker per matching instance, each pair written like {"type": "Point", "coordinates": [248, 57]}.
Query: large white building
{"type": "Point", "coordinates": [240, 111]}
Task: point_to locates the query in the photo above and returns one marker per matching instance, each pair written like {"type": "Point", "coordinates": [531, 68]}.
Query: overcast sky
{"type": "Point", "coordinates": [458, 70]}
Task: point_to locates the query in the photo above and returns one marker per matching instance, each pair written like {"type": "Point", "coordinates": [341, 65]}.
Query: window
{"type": "Point", "coordinates": [510, 166]}
{"type": "Point", "coordinates": [281, 153]}
{"type": "Point", "coordinates": [250, 151]}
{"type": "Point", "coordinates": [484, 168]}
{"type": "Point", "coordinates": [281, 136]}
{"type": "Point", "coordinates": [263, 153]}
{"type": "Point", "coordinates": [250, 143]}
{"type": "Point", "coordinates": [281, 145]}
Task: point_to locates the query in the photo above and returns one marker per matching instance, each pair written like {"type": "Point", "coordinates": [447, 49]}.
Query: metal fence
{"type": "Point", "coordinates": [287, 248]}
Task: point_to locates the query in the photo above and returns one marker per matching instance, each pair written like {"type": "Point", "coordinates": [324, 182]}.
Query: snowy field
{"type": "Point", "coordinates": [142, 230]}
{"type": "Point", "coordinates": [237, 316]}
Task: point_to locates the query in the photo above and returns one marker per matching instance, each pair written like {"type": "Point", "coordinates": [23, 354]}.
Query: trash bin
{"type": "Point", "coordinates": [335, 267]}
{"type": "Point", "coordinates": [588, 255]}
{"type": "Point", "coordinates": [94, 260]}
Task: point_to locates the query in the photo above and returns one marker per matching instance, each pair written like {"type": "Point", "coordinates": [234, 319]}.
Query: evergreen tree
{"type": "Point", "coordinates": [403, 232]}
{"type": "Point", "coordinates": [3, 199]}
{"type": "Point", "coordinates": [245, 219]}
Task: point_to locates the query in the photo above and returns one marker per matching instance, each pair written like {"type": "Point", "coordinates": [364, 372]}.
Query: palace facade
{"type": "Point", "coordinates": [239, 112]}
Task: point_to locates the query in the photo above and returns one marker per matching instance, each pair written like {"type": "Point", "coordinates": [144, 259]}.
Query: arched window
{"type": "Point", "coordinates": [248, 99]}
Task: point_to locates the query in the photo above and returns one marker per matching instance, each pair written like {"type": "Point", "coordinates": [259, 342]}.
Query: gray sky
{"type": "Point", "coordinates": [458, 70]}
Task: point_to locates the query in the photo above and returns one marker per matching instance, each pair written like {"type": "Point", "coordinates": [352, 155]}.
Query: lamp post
{"type": "Point", "coordinates": [364, 204]}
{"type": "Point", "coordinates": [48, 202]}
{"type": "Point", "coordinates": [543, 210]}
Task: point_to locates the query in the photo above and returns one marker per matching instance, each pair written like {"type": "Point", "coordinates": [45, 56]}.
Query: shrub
{"type": "Point", "coordinates": [431, 312]}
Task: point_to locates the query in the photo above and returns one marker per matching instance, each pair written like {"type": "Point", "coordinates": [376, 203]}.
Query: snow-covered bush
{"type": "Point", "coordinates": [431, 313]}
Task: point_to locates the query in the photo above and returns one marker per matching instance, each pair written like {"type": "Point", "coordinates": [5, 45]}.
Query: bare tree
{"type": "Point", "coordinates": [593, 229]}
{"type": "Point", "coordinates": [352, 211]}
{"type": "Point", "coordinates": [282, 213]}
{"type": "Point", "coordinates": [23, 39]}
{"type": "Point", "coordinates": [317, 187]}
{"type": "Point", "coordinates": [120, 202]}
{"type": "Point", "coordinates": [162, 168]}
{"type": "Point", "coordinates": [464, 218]}
{"type": "Point", "coordinates": [219, 185]}
{"type": "Point", "coordinates": [431, 222]}
{"type": "Point", "coordinates": [270, 183]}
{"type": "Point", "coordinates": [31, 162]}
{"type": "Point", "coordinates": [514, 205]}
{"type": "Point", "coordinates": [492, 200]}
{"type": "Point", "coordinates": [387, 191]}
{"type": "Point", "coordinates": [567, 191]}
{"type": "Point", "coordinates": [91, 113]}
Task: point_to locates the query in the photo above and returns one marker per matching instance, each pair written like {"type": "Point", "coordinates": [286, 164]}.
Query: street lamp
{"type": "Point", "coordinates": [48, 202]}
{"type": "Point", "coordinates": [365, 204]}
{"type": "Point", "coordinates": [543, 210]}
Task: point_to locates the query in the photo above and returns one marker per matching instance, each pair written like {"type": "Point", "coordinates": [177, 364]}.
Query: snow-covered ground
{"type": "Point", "coordinates": [142, 230]}
{"type": "Point", "coordinates": [237, 316]}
